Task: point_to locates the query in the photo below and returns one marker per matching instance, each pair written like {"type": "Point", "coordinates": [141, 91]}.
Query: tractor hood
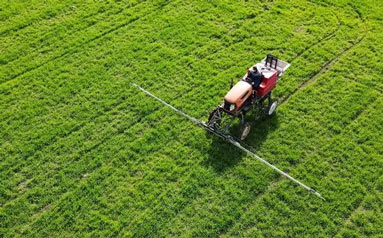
{"type": "Point", "coordinates": [238, 91]}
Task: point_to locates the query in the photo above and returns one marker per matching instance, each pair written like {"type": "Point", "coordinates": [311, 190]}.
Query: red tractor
{"type": "Point", "coordinates": [253, 91]}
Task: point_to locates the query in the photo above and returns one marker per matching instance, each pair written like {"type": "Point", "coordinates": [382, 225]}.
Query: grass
{"type": "Point", "coordinates": [83, 153]}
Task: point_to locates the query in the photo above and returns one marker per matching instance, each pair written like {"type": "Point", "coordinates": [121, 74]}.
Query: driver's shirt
{"type": "Point", "coordinates": [256, 78]}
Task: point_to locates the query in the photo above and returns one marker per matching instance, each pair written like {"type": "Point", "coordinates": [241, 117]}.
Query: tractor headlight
{"type": "Point", "coordinates": [232, 107]}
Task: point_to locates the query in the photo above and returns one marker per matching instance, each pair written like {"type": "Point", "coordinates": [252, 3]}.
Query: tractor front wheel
{"type": "Point", "coordinates": [245, 130]}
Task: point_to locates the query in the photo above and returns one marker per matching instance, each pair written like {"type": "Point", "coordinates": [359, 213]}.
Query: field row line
{"type": "Point", "coordinates": [78, 128]}
{"type": "Point", "coordinates": [72, 130]}
{"type": "Point", "coordinates": [271, 186]}
{"type": "Point", "coordinates": [69, 51]}
{"type": "Point", "coordinates": [157, 205]}
{"type": "Point", "coordinates": [116, 107]}
{"type": "Point", "coordinates": [90, 174]}
{"type": "Point", "coordinates": [327, 66]}
{"type": "Point", "coordinates": [81, 46]}
{"type": "Point", "coordinates": [83, 151]}
{"type": "Point", "coordinates": [50, 33]}
{"type": "Point", "coordinates": [276, 182]}
{"type": "Point", "coordinates": [322, 39]}
{"type": "Point", "coordinates": [87, 42]}
{"type": "Point", "coordinates": [357, 209]}
{"type": "Point", "coordinates": [325, 38]}
{"type": "Point", "coordinates": [49, 17]}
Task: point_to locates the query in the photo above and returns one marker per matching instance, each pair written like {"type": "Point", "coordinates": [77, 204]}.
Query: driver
{"type": "Point", "coordinates": [255, 77]}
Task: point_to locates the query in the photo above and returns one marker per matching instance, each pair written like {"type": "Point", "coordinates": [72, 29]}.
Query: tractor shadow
{"type": "Point", "coordinates": [222, 155]}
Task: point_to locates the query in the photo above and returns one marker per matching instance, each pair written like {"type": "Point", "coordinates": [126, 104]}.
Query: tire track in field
{"type": "Point", "coordinates": [63, 196]}
{"type": "Point", "coordinates": [327, 66]}
{"type": "Point", "coordinates": [326, 38]}
{"type": "Point", "coordinates": [374, 87]}
{"type": "Point", "coordinates": [274, 184]}
{"type": "Point", "coordinates": [70, 132]}
{"type": "Point", "coordinates": [52, 59]}
{"type": "Point", "coordinates": [73, 130]}
{"type": "Point", "coordinates": [94, 14]}
{"type": "Point", "coordinates": [79, 47]}
{"type": "Point", "coordinates": [78, 127]}
{"type": "Point", "coordinates": [271, 185]}
{"type": "Point", "coordinates": [279, 180]}
{"type": "Point", "coordinates": [33, 21]}
{"type": "Point", "coordinates": [348, 219]}
{"type": "Point", "coordinates": [70, 51]}
{"type": "Point", "coordinates": [238, 42]}
{"type": "Point", "coordinates": [244, 40]}
{"type": "Point", "coordinates": [329, 36]}
{"type": "Point", "coordinates": [47, 18]}
{"type": "Point", "coordinates": [81, 152]}
{"type": "Point", "coordinates": [112, 110]}
{"type": "Point", "coordinates": [158, 204]}
{"type": "Point", "coordinates": [18, 56]}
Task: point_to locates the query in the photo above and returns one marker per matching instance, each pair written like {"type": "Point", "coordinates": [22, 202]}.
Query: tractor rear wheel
{"type": "Point", "coordinates": [271, 108]}
{"type": "Point", "coordinates": [271, 105]}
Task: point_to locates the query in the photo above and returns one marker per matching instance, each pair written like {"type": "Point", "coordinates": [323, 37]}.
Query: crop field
{"type": "Point", "coordinates": [84, 153]}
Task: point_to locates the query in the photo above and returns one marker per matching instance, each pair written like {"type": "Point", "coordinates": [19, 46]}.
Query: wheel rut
{"type": "Point", "coordinates": [327, 66]}
{"type": "Point", "coordinates": [80, 126]}
{"type": "Point", "coordinates": [20, 55]}
{"type": "Point", "coordinates": [358, 208]}
{"type": "Point", "coordinates": [326, 38]}
{"type": "Point", "coordinates": [47, 18]}
{"type": "Point", "coordinates": [89, 175]}
{"type": "Point", "coordinates": [79, 47]}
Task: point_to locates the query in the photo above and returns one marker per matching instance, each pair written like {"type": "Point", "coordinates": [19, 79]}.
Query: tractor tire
{"type": "Point", "coordinates": [245, 130]}
{"type": "Point", "coordinates": [271, 108]}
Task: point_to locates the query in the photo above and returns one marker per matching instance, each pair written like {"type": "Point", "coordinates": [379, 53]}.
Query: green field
{"type": "Point", "coordinates": [83, 153]}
